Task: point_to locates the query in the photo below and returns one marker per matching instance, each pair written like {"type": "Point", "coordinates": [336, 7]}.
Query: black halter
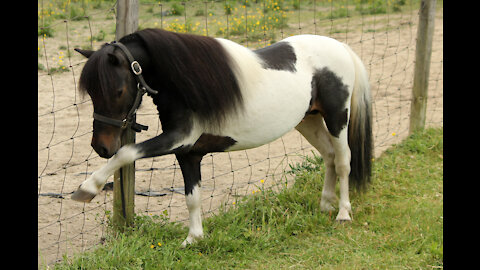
{"type": "Point", "coordinates": [142, 88]}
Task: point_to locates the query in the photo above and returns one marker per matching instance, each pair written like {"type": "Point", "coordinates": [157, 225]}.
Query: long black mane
{"type": "Point", "coordinates": [195, 67]}
{"type": "Point", "coordinates": [98, 78]}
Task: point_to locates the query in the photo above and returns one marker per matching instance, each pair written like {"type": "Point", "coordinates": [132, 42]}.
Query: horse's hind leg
{"type": "Point", "coordinates": [190, 166]}
{"type": "Point", "coordinates": [336, 154]}
{"type": "Point", "coordinates": [330, 97]}
{"type": "Point", "coordinates": [342, 168]}
{"type": "Point", "coordinates": [314, 130]}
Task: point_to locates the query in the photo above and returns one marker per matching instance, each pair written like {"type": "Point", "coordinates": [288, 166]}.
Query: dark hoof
{"type": "Point", "coordinates": [82, 196]}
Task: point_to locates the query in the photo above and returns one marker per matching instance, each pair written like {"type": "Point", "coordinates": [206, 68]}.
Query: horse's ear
{"type": "Point", "coordinates": [113, 59]}
{"type": "Point", "coordinates": [86, 53]}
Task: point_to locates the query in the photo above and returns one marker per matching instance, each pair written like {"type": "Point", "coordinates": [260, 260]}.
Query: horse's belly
{"type": "Point", "coordinates": [271, 110]}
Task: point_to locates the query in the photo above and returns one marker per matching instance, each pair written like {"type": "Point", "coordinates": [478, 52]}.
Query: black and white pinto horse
{"type": "Point", "coordinates": [214, 95]}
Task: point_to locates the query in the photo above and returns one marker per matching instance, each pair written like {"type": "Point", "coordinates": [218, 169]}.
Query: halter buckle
{"type": "Point", "coordinates": [124, 124]}
{"type": "Point", "coordinates": [136, 68]}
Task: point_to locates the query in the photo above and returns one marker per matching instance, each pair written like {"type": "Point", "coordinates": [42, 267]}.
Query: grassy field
{"type": "Point", "coordinates": [397, 224]}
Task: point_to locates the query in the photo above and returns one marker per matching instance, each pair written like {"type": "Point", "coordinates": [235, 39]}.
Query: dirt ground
{"type": "Point", "coordinates": [386, 44]}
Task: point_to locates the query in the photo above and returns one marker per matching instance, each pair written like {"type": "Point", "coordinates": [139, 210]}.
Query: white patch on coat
{"type": "Point", "coordinates": [194, 205]}
{"type": "Point", "coordinates": [193, 135]}
{"type": "Point", "coordinates": [125, 155]}
{"type": "Point", "coordinates": [275, 101]}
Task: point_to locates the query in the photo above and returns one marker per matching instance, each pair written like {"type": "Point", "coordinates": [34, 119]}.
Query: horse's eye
{"type": "Point", "coordinates": [120, 91]}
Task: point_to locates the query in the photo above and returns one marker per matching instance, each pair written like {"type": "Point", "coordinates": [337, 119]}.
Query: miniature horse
{"type": "Point", "coordinates": [214, 95]}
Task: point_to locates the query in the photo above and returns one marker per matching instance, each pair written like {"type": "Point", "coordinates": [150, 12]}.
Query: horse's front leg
{"type": "Point", "coordinates": [190, 166]}
{"type": "Point", "coordinates": [165, 143]}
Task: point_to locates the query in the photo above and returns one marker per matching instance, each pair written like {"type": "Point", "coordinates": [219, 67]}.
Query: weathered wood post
{"type": "Point", "coordinates": [423, 53]}
{"type": "Point", "coordinates": [124, 178]}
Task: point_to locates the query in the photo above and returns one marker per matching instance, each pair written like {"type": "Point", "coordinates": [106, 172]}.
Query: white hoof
{"type": "Point", "coordinates": [327, 202]}
{"type": "Point", "coordinates": [326, 206]}
{"type": "Point", "coordinates": [82, 195]}
{"type": "Point", "coordinates": [191, 239]}
{"type": "Point", "coordinates": [343, 215]}
{"type": "Point", "coordinates": [88, 189]}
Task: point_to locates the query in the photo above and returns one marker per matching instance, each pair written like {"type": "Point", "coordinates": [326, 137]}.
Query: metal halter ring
{"type": "Point", "coordinates": [141, 87]}
{"type": "Point", "coordinates": [124, 123]}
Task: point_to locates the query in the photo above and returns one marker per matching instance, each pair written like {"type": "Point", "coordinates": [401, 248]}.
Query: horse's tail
{"type": "Point", "coordinates": [360, 138]}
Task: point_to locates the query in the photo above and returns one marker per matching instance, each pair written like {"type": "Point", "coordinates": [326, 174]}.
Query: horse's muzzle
{"type": "Point", "coordinates": [105, 146]}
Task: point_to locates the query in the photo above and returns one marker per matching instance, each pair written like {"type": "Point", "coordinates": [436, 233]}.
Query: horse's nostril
{"type": "Point", "coordinates": [101, 150]}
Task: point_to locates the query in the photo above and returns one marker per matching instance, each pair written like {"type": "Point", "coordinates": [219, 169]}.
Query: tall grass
{"type": "Point", "coordinates": [397, 223]}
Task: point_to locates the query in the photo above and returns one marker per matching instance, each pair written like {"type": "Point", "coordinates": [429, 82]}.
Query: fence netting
{"type": "Point", "coordinates": [382, 33]}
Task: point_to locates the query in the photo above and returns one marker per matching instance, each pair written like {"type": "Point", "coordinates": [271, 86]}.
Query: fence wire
{"type": "Point", "coordinates": [383, 35]}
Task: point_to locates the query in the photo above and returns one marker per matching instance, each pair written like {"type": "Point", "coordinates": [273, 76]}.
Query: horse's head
{"type": "Point", "coordinates": [108, 80]}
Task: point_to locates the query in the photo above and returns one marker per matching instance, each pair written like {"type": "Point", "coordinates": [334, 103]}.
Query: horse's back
{"type": "Point", "coordinates": [316, 52]}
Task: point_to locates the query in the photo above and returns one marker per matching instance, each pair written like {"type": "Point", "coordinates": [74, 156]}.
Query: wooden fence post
{"type": "Point", "coordinates": [423, 53]}
{"type": "Point", "coordinates": [124, 178]}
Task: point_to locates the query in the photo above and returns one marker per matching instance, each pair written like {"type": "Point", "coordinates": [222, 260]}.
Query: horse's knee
{"type": "Point", "coordinates": [329, 159]}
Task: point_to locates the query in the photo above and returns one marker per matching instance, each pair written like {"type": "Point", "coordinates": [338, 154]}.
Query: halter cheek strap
{"type": "Point", "coordinates": [135, 66]}
{"type": "Point", "coordinates": [129, 119]}
{"type": "Point", "coordinates": [142, 88]}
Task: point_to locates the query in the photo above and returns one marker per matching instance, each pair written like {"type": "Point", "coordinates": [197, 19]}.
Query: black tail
{"type": "Point", "coordinates": [360, 138]}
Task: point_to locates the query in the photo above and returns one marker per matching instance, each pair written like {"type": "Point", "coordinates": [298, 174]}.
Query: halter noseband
{"type": "Point", "coordinates": [142, 88]}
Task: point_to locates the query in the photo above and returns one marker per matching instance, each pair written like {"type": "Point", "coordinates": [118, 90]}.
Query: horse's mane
{"type": "Point", "coordinates": [198, 68]}
{"type": "Point", "coordinates": [97, 76]}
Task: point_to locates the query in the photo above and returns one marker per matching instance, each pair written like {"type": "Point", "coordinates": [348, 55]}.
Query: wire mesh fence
{"type": "Point", "coordinates": [382, 33]}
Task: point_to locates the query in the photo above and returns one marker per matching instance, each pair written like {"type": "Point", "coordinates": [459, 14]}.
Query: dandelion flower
{"type": "Point", "coordinates": [159, 244]}
{"type": "Point", "coordinates": [152, 246]}
{"type": "Point", "coordinates": [262, 181]}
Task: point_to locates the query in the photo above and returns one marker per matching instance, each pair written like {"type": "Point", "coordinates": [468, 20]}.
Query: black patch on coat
{"type": "Point", "coordinates": [329, 95]}
{"type": "Point", "coordinates": [189, 157]}
{"type": "Point", "coordinates": [279, 56]}
{"type": "Point", "coordinates": [190, 167]}
{"type": "Point", "coordinates": [208, 143]}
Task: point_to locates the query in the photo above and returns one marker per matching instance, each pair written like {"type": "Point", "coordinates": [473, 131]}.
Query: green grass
{"type": "Point", "coordinates": [397, 223]}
